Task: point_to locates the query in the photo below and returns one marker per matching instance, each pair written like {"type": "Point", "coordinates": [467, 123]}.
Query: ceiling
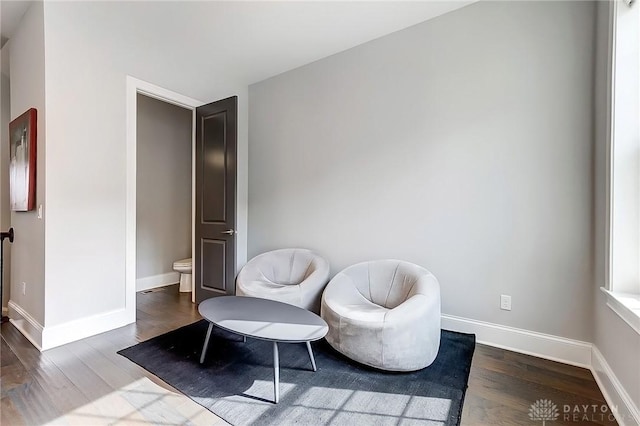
{"type": "Point", "coordinates": [242, 41]}
{"type": "Point", "coordinates": [11, 13]}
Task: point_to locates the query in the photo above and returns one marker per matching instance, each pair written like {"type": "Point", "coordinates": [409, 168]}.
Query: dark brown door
{"type": "Point", "coordinates": [216, 147]}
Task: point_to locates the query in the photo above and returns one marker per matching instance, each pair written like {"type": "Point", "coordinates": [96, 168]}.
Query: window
{"type": "Point", "coordinates": [623, 286]}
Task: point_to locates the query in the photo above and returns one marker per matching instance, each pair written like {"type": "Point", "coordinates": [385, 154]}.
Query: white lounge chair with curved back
{"type": "Point", "coordinates": [385, 314]}
{"type": "Point", "coordinates": [295, 276]}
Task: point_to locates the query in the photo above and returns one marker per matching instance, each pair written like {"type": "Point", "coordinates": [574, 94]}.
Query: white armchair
{"type": "Point", "coordinates": [385, 314]}
{"type": "Point", "coordinates": [294, 276]}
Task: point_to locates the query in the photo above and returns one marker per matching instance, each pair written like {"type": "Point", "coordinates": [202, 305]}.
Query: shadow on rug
{"type": "Point", "coordinates": [236, 381]}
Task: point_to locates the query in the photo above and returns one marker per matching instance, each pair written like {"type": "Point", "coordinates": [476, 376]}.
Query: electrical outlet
{"type": "Point", "coordinates": [24, 288]}
{"type": "Point", "coordinates": [505, 302]}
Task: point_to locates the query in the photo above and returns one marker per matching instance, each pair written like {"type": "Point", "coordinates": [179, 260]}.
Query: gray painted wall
{"type": "Point", "coordinates": [27, 71]}
{"type": "Point", "coordinates": [163, 186]}
{"type": "Point", "coordinates": [463, 144]}
{"type": "Point", "coordinates": [5, 213]}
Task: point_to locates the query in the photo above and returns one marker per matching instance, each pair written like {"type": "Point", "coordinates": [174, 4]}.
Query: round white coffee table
{"type": "Point", "coordinates": [266, 320]}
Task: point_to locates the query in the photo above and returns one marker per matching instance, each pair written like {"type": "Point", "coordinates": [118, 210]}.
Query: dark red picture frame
{"type": "Point", "coordinates": [22, 161]}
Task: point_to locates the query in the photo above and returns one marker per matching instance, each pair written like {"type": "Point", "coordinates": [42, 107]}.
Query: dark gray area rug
{"type": "Point", "coordinates": [236, 381]}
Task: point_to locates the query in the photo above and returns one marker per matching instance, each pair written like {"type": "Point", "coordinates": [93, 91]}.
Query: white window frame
{"type": "Point", "coordinates": [623, 276]}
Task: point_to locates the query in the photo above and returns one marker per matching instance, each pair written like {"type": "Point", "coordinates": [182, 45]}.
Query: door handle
{"type": "Point", "coordinates": [228, 232]}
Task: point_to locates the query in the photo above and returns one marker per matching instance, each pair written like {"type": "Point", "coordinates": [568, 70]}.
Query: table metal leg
{"type": "Point", "coordinates": [206, 343]}
{"type": "Point", "coordinates": [276, 372]}
{"type": "Point", "coordinates": [313, 361]}
{"type": "Point", "coordinates": [244, 339]}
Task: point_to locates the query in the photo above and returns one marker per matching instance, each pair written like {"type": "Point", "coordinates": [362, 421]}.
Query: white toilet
{"type": "Point", "coordinates": [184, 267]}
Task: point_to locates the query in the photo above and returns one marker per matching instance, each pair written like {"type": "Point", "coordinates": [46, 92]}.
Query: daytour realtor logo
{"type": "Point", "coordinates": [545, 410]}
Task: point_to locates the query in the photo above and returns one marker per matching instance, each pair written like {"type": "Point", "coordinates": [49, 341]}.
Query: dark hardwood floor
{"type": "Point", "coordinates": [37, 388]}
{"type": "Point", "coordinates": [503, 385]}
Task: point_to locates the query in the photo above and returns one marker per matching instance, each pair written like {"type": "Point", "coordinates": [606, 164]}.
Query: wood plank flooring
{"type": "Point", "coordinates": [37, 388]}
{"type": "Point", "coordinates": [503, 385]}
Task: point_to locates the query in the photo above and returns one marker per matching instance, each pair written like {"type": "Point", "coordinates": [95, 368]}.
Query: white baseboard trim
{"type": "Point", "coordinates": [156, 281]}
{"type": "Point", "coordinates": [621, 404]}
{"type": "Point", "coordinates": [71, 331]}
{"type": "Point", "coordinates": [26, 324]}
{"type": "Point", "coordinates": [554, 348]}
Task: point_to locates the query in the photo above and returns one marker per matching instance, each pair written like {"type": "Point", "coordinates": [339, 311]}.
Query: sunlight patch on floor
{"type": "Point", "coordinates": [344, 406]}
{"type": "Point", "coordinates": [140, 403]}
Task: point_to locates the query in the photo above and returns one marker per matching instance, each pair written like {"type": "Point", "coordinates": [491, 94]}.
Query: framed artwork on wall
{"type": "Point", "coordinates": [22, 162]}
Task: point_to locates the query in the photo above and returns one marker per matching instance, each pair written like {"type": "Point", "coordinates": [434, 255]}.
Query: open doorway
{"type": "Point", "coordinates": [163, 196]}
{"type": "Point", "coordinates": [135, 88]}
{"type": "Point", "coordinates": [213, 192]}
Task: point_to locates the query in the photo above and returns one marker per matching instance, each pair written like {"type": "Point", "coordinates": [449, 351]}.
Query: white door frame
{"type": "Point", "coordinates": [135, 86]}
